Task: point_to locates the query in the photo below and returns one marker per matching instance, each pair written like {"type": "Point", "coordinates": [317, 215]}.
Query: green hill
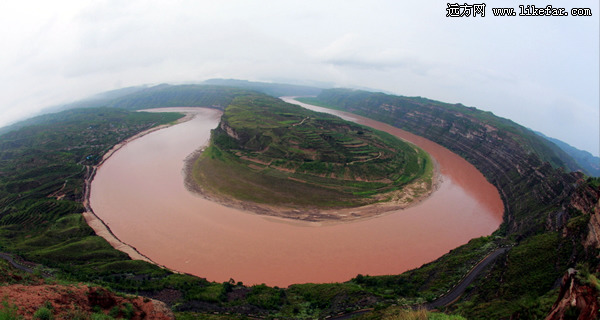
{"type": "Point", "coordinates": [270, 152]}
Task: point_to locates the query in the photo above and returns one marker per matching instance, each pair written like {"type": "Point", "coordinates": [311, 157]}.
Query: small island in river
{"type": "Point", "coordinates": [279, 159]}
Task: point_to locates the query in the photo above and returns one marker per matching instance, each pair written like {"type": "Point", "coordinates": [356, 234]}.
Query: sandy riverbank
{"type": "Point", "coordinates": [97, 224]}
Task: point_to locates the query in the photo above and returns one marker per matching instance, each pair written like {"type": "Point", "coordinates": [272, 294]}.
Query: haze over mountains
{"type": "Point", "coordinates": [165, 95]}
{"type": "Point", "coordinates": [586, 160]}
{"type": "Point", "coordinates": [513, 67]}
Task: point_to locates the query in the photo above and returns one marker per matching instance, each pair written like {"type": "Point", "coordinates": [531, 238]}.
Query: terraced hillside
{"type": "Point", "coordinates": [284, 155]}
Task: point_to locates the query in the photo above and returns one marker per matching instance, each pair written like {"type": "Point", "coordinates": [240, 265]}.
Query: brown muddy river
{"type": "Point", "coordinates": [139, 192]}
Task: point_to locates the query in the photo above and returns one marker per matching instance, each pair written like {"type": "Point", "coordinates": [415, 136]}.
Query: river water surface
{"type": "Point", "coordinates": [139, 192]}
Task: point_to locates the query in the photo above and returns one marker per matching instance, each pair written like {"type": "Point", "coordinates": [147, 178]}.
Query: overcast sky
{"type": "Point", "coordinates": [542, 72]}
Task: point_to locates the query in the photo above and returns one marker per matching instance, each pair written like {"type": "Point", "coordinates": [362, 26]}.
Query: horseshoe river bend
{"type": "Point", "coordinates": [139, 193]}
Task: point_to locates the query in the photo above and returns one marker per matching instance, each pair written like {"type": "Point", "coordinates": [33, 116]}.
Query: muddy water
{"type": "Point", "coordinates": [139, 193]}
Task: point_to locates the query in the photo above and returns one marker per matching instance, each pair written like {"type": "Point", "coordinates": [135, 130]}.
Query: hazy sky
{"type": "Point", "coordinates": [542, 72]}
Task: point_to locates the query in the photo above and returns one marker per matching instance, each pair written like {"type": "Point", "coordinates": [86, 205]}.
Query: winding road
{"type": "Point", "coordinates": [26, 266]}
{"type": "Point", "coordinates": [12, 261]}
{"type": "Point", "coordinates": [453, 294]}
{"type": "Point", "coordinates": [460, 288]}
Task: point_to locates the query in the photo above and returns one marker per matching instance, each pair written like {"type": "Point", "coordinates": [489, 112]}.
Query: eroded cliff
{"type": "Point", "coordinates": [528, 173]}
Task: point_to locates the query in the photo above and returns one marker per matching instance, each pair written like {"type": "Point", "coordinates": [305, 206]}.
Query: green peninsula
{"type": "Point", "coordinates": [267, 155]}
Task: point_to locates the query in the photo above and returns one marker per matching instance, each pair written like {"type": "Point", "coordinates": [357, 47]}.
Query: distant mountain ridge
{"type": "Point", "coordinates": [587, 161]}
{"type": "Point", "coordinates": [219, 93]}
{"type": "Point", "coordinates": [272, 89]}
{"type": "Point", "coordinates": [206, 93]}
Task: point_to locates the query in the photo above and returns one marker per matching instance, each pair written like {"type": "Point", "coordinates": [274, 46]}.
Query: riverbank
{"type": "Point", "coordinates": [409, 196]}
{"type": "Point", "coordinates": [97, 224]}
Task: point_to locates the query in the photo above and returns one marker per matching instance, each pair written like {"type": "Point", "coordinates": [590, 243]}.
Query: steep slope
{"type": "Point", "coordinates": [578, 298]}
{"type": "Point", "coordinates": [514, 159]}
{"type": "Point", "coordinates": [548, 228]}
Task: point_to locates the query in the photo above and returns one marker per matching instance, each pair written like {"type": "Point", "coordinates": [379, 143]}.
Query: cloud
{"type": "Point", "coordinates": [522, 68]}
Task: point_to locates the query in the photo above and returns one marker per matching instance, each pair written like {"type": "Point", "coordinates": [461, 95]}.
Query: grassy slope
{"type": "Point", "coordinates": [159, 96]}
{"type": "Point", "coordinates": [272, 89]}
{"type": "Point", "coordinates": [333, 163]}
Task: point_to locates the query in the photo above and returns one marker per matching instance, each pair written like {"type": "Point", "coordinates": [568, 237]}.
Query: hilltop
{"type": "Point", "coordinates": [278, 155]}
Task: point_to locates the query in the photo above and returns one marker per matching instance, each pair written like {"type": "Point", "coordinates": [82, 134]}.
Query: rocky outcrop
{"type": "Point", "coordinates": [593, 236]}
{"type": "Point", "coordinates": [576, 300]}
{"type": "Point", "coordinates": [229, 130]}
{"type": "Point", "coordinates": [587, 201]}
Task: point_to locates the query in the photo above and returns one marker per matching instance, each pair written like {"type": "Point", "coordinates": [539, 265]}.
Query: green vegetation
{"type": "Point", "coordinates": [268, 151]}
{"type": "Point", "coordinates": [214, 93]}
{"type": "Point", "coordinates": [396, 313]}
{"type": "Point", "coordinates": [8, 311]}
{"type": "Point", "coordinates": [528, 273]}
{"type": "Point", "coordinates": [272, 89]}
{"type": "Point", "coordinates": [42, 171]}
{"type": "Point", "coordinates": [43, 313]}
{"type": "Point", "coordinates": [529, 174]}
{"type": "Point", "coordinates": [9, 275]}
{"type": "Point", "coordinates": [44, 162]}
{"type": "Point", "coordinates": [430, 280]}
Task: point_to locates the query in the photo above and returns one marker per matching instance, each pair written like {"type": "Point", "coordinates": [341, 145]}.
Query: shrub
{"type": "Point", "coordinates": [43, 313]}
{"type": "Point", "coordinates": [100, 316]}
